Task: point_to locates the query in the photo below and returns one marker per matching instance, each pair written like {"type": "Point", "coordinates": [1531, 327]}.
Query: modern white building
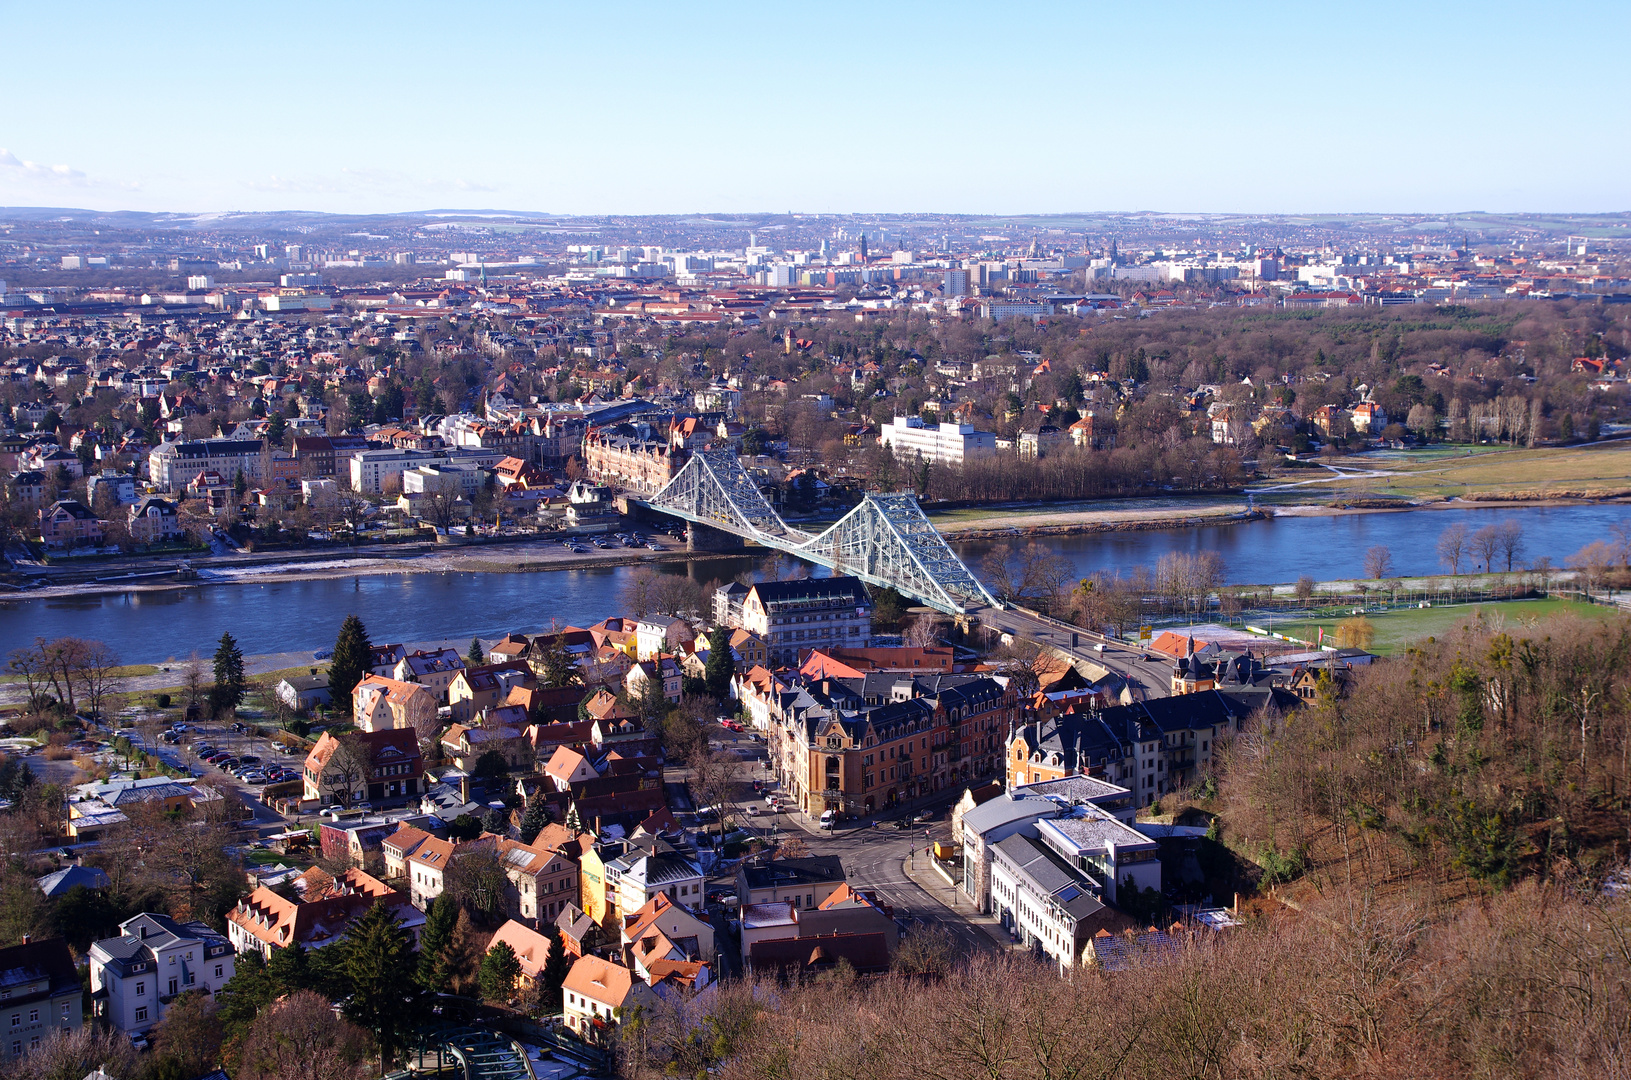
{"type": "Point", "coordinates": [951, 444]}
{"type": "Point", "coordinates": [369, 469]}
{"type": "Point", "coordinates": [171, 465]}
{"type": "Point", "coordinates": [135, 976]}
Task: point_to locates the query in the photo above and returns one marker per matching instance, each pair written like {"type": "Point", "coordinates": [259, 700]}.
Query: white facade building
{"type": "Point", "coordinates": [135, 976]}
{"type": "Point", "coordinates": [910, 438]}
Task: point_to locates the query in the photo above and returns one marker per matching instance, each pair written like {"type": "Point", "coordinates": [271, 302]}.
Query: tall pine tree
{"type": "Point", "coordinates": [534, 820]}
{"type": "Point", "coordinates": [228, 692]}
{"type": "Point", "coordinates": [434, 941]}
{"type": "Point", "coordinates": [552, 977]}
{"type": "Point", "coordinates": [475, 658]}
{"type": "Point", "coordinates": [380, 964]}
{"type": "Point", "coordinates": [351, 655]}
{"type": "Point", "coordinates": [720, 667]}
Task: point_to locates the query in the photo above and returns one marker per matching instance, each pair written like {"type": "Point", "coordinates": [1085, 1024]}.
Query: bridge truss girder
{"type": "Point", "coordinates": [886, 541]}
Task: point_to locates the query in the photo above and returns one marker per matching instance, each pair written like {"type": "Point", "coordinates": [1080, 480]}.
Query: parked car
{"type": "Point", "coordinates": [829, 818]}
{"type": "Point", "coordinates": [250, 759]}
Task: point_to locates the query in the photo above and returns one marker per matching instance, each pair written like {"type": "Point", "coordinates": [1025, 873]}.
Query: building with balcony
{"type": "Point", "coordinates": [135, 976]}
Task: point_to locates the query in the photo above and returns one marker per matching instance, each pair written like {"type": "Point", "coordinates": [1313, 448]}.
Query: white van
{"type": "Point", "coordinates": [829, 818]}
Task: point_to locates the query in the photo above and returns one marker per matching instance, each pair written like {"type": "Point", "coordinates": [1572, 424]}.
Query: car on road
{"type": "Point", "coordinates": [753, 811]}
{"type": "Point", "coordinates": [829, 818]}
{"type": "Point", "coordinates": [902, 823]}
{"type": "Point", "coordinates": [250, 759]}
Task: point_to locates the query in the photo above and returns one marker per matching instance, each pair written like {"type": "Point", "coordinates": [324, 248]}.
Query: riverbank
{"type": "Point", "coordinates": [522, 557]}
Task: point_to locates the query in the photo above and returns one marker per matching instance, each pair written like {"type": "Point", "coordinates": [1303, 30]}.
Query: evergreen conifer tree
{"type": "Point", "coordinates": [720, 667]}
{"type": "Point", "coordinates": [350, 663]}
{"type": "Point", "coordinates": [551, 978]}
{"type": "Point", "coordinates": [380, 964]}
{"type": "Point", "coordinates": [499, 969]}
{"type": "Point", "coordinates": [228, 692]}
{"type": "Point", "coordinates": [534, 820]}
{"type": "Point", "coordinates": [434, 940]}
{"type": "Point", "coordinates": [475, 658]}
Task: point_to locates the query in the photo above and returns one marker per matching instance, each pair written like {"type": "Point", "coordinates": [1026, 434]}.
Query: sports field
{"type": "Point", "coordinates": [1397, 629]}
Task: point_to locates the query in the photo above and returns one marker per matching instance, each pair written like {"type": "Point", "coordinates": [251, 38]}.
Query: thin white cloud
{"type": "Point", "coordinates": [59, 174]}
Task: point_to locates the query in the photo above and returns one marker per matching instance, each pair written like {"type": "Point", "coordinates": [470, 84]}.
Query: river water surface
{"type": "Point", "coordinates": [268, 616]}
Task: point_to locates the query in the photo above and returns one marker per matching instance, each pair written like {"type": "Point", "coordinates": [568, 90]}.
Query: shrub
{"type": "Point", "coordinates": [162, 700]}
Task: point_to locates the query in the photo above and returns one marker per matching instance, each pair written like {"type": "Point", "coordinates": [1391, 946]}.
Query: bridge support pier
{"type": "Point", "coordinates": [706, 538]}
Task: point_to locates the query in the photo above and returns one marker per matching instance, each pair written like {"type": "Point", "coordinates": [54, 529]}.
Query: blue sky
{"type": "Point", "coordinates": [829, 107]}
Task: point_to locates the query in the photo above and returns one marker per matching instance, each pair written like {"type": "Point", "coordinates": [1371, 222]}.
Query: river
{"type": "Point", "coordinates": [281, 616]}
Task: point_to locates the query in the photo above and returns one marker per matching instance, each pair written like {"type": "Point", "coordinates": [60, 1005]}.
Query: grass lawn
{"type": "Point", "coordinates": [1397, 629]}
{"type": "Point", "coordinates": [1462, 471]}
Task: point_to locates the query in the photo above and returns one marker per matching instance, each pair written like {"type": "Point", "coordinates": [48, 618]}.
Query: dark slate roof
{"type": "Point", "coordinates": [54, 885]}
{"type": "Point", "coordinates": [48, 959]}
{"type": "Point", "coordinates": [782, 873]}
{"type": "Point", "coordinates": [827, 588]}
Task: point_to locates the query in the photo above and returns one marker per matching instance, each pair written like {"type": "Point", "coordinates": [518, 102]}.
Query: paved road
{"type": "Point", "coordinates": [873, 859]}
{"type": "Point", "coordinates": [1152, 677]}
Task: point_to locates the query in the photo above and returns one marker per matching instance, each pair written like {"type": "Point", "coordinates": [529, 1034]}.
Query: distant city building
{"type": "Point", "coordinates": [951, 444]}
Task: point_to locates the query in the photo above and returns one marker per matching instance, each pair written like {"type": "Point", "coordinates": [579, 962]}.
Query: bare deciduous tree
{"type": "Point", "coordinates": [1453, 546]}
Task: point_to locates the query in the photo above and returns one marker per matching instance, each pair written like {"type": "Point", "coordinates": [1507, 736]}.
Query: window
{"type": "Point", "coordinates": [16, 1019]}
{"type": "Point", "coordinates": [217, 971]}
{"type": "Point", "coordinates": [172, 989]}
{"type": "Point", "coordinates": [33, 1016]}
{"type": "Point", "coordinates": [34, 1043]}
{"type": "Point", "coordinates": [65, 1008]}
{"type": "Point", "coordinates": [141, 1013]}
{"type": "Point", "coordinates": [16, 1047]}
{"type": "Point", "coordinates": [141, 988]}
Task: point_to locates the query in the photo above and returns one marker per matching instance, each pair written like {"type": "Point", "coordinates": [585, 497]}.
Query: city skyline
{"type": "Point", "coordinates": [940, 108]}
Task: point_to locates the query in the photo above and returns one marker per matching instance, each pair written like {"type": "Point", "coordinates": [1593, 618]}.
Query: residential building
{"type": "Point", "coordinates": [39, 994]}
{"type": "Point", "coordinates": [324, 907]}
{"type": "Point", "coordinates": [171, 465]}
{"type": "Point", "coordinates": [136, 975]}
{"type": "Point", "coordinates": [662, 675]}
{"type": "Point", "coordinates": [665, 930]}
{"type": "Point", "coordinates": [375, 766]}
{"type": "Point", "coordinates": [596, 994]}
{"type": "Point", "coordinates": [636, 460]}
{"type": "Point", "coordinates": [69, 523]}
{"type": "Point", "coordinates": [793, 616]}
{"type": "Point", "coordinates": [531, 950]}
{"type": "Point", "coordinates": [805, 883]}
{"type": "Point", "coordinates": [656, 634]}
{"type": "Point", "coordinates": [152, 520]}
{"type": "Point", "coordinates": [643, 872]}
{"type": "Point", "coordinates": [1150, 747]}
{"type": "Point", "coordinates": [435, 670]}
{"type": "Point", "coordinates": [483, 687]}
{"type": "Point", "coordinates": [940, 444]}
{"type": "Point", "coordinates": [381, 704]}
{"type": "Point", "coordinates": [799, 958]}
{"type": "Point", "coordinates": [302, 692]}
{"type": "Point", "coordinates": [465, 746]}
